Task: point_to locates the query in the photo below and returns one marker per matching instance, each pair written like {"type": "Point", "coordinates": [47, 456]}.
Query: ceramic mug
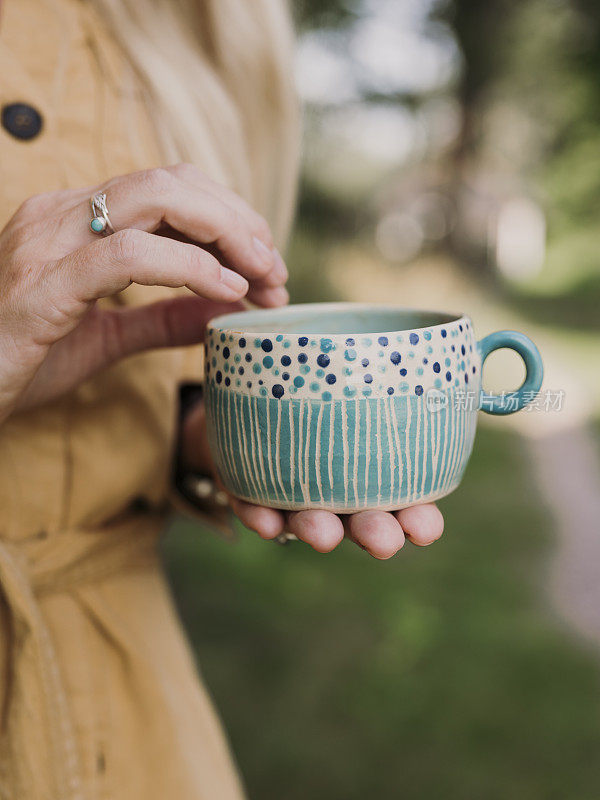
{"type": "Point", "coordinates": [348, 406]}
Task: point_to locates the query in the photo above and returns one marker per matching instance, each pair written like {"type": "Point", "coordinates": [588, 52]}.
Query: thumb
{"type": "Point", "coordinates": [106, 336]}
{"type": "Point", "coordinates": [169, 323]}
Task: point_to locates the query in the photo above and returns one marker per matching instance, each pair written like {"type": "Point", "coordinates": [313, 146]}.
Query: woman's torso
{"type": "Point", "coordinates": [106, 447]}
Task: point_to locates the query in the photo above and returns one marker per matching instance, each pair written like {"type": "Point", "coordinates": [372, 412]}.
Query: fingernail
{"type": "Point", "coordinates": [265, 253]}
{"type": "Point", "coordinates": [237, 283]}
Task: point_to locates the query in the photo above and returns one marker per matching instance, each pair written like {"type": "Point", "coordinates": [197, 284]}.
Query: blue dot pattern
{"type": "Point", "coordinates": [346, 366]}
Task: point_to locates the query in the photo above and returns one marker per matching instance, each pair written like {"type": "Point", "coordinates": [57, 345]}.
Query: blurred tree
{"type": "Point", "coordinates": [480, 30]}
{"type": "Point", "coordinates": [528, 95]}
{"type": "Point", "coordinates": [317, 14]}
{"type": "Point", "coordinates": [528, 125]}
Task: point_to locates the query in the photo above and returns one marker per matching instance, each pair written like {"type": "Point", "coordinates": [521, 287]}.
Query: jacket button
{"type": "Point", "coordinates": [21, 121]}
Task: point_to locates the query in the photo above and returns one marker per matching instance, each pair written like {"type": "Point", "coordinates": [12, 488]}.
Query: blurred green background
{"type": "Point", "coordinates": [452, 161]}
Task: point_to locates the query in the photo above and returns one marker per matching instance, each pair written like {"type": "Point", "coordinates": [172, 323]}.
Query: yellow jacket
{"type": "Point", "coordinates": [98, 690]}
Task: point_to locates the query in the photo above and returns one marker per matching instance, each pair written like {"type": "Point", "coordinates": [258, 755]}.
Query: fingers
{"type": "Point", "coordinates": [45, 204]}
{"type": "Point", "coordinates": [107, 335]}
{"type": "Point", "coordinates": [422, 524]}
{"type": "Point", "coordinates": [278, 275]}
{"type": "Point", "coordinates": [146, 200]}
{"type": "Point", "coordinates": [267, 522]}
{"type": "Point", "coordinates": [378, 532]}
{"type": "Point", "coordinates": [257, 224]}
{"type": "Point", "coordinates": [322, 530]}
{"type": "Point", "coordinates": [109, 265]}
{"type": "Point", "coordinates": [175, 322]}
{"type": "Point", "coordinates": [180, 199]}
{"type": "Point", "coordinates": [268, 297]}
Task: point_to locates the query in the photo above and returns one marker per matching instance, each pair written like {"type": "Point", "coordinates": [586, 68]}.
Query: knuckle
{"type": "Point", "coordinates": [189, 260]}
{"type": "Point", "coordinates": [30, 207]}
{"type": "Point", "coordinates": [224, 221]}
{"type": "Point", "coordinates": [208, 264]}
{"type": "Point", "coordinates": [26, 209]}
{"type": "Point", "coordinates": [16, 237]}
{"type": "Point", "coordinates": [157, 181]}
{"type": "Point", "coordinates": [186, 171]}
{"type": "Point", "coordinates": [127, 245]}
{"type": "Point", "coordinates": [235, 222]}
{"type": "Point", "coordinates": [227, 216]}
{"type": "Point", "coordinates": [255, 221]}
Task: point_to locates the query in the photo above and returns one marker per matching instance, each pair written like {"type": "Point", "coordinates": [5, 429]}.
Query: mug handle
{"type": "Point", "coordinates": [512, 401]}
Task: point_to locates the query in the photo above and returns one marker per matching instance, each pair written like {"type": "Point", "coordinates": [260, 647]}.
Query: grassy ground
{"type": "Point", "coordinates": [439, 674]}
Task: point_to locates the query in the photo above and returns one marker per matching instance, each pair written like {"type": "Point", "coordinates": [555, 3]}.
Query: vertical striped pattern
{"type": "Point", "coordinates": [343, 455]}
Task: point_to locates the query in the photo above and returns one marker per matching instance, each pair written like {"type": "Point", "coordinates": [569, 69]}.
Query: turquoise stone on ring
{"type": "Point", "coordinates": [98, 225]}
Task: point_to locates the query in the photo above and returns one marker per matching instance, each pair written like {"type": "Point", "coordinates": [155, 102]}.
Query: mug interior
{"type": "Point", "coordinates": [331, 319]}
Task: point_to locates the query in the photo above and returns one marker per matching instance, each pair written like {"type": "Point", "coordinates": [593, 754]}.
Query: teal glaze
{"type": "Point", "coordinates": [513, 401]}
{"type": "Point", "coordinates": [303, 453]}
{"type": "Point", "coordinates": [349, 406]}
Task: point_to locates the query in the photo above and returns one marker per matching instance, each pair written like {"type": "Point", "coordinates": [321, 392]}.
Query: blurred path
{"type": "Point", "coordinates": [567, 468]}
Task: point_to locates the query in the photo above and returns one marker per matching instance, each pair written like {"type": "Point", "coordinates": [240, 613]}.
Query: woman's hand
{"type": "Point", "coordinates": [53, 269]}
{"type": "Point", "coordinates": [380, 533]}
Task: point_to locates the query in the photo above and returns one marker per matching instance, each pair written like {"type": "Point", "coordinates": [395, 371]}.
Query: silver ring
{"type": "Point", "coordinates": [285, 538]}
{"type": "Point", "coordinates": [100, 222]}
